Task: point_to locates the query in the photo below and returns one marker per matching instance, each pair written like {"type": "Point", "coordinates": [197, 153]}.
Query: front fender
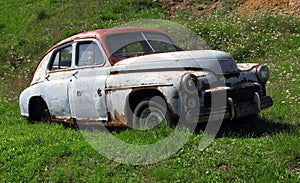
{"type": "Point", "coordinates": [120, 86]}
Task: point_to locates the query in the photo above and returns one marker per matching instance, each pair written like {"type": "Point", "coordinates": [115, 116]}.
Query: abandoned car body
{"type": "Point", "coordinates": [111, 75]}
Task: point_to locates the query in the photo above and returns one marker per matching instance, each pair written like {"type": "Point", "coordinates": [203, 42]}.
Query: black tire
{"type": "Point", "coordinates": [45, 115]}
{"type": "Point", "coordinates": [150, 112]}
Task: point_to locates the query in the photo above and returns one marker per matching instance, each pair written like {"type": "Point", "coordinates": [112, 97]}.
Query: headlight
{"type": "Point", "coordinates": [192, 103]}
{"type": "Point", "coordinates": [189, 83]}
{"type": "Point", "coordinates": [263, 73]}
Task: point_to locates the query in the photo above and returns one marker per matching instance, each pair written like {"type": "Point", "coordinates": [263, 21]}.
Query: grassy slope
{"type": "Point", "coordinates": [28, 28]}
{"type": "Point", "coordinates": [265, 150]}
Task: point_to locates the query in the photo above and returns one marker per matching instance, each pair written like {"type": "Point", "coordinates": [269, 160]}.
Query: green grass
{"type": "Point", "coordinates": [244, 152]}
{"type": "Point", "coordinates": [263, 150]}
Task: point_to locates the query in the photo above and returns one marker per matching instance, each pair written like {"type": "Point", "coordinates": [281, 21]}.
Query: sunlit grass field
{"type": "Point", "coordinates": [266, 149]}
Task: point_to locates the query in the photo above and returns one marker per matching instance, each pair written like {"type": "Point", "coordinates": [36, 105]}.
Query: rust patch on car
{"type": "Point", "coordinates": [99, 92]}
{"type": "Point", "coordinates": [70, 121]}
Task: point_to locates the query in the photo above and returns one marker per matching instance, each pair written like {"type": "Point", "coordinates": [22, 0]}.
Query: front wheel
{"type": "Point", "coordinates": [150, 113]}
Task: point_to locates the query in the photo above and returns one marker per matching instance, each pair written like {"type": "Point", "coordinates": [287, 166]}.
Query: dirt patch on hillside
{"type": "Point", "coordinates": [239, 7]}
{"type": "Point", "coordinates": [252, 7]}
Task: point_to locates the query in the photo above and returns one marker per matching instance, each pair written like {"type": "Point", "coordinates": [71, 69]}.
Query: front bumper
{"type": "Point", "coordinates": [231, 110]}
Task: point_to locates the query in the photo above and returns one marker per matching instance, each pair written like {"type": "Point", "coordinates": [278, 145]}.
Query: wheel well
{"type": "Point", "coordinates": [139, 95]}
{"type": "Point", "coordinates": [36, 107]}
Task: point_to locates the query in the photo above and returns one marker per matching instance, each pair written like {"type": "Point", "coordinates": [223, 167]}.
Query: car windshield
{"type": "Point", "coordinates": [124, 45]}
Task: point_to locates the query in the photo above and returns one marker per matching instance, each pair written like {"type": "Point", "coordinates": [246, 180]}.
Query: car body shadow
{"type": "Point", "coordinates": [253, 127]}
{"type": "Point", "coordinates": [249, 127]}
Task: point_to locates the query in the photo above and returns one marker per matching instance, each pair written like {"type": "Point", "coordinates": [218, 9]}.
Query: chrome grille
{"type": "Point", "coordinates": [238, 94]}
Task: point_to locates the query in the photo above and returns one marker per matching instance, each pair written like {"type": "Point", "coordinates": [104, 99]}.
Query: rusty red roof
{"type": "Point", "coordinates": [102, 33]}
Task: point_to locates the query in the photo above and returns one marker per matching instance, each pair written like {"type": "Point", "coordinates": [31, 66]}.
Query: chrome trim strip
{"type": "Point", "coordinates": [138, 86]}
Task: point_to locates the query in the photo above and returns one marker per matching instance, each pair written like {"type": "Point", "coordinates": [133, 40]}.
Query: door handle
{"type": "Point", "coordinates": [47, 77]}
{"type": "Point", "coordinates": [75, 73]}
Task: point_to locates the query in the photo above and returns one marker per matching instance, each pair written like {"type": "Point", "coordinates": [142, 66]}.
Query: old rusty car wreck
{"type": "Point", "coordinates": [139, 76]}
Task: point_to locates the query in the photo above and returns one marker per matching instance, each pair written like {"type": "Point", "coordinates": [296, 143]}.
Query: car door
{"type": "Point", "coordinates": [55, 87]}
{"type": "Point", "coordinates": [87, 87]}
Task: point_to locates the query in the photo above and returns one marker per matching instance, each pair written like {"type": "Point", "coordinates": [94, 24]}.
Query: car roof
{"type": "Point", "coordinates": [102, 33]}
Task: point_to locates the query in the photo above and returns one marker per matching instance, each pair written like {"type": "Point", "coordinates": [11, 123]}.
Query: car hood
{"type": "Point", "coordinates": [207, 60]}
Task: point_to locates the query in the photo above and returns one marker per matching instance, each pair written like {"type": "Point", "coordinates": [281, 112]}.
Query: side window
{"type": "Point", "coordinates": [88, 53]}
{"type": "Point", "coordinates": [62, 59]}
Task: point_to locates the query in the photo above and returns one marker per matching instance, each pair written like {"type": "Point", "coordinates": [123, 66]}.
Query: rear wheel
{"type": "Point", "coordinates": [151, 112]}
{"type": "Point", "coordinates": [38, 111]}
